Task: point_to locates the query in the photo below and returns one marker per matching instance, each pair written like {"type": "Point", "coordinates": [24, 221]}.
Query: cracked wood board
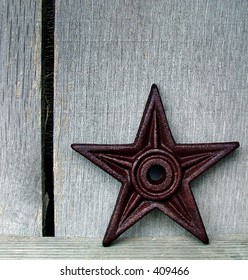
{"type": "Point", "coordinates": [20, 126]}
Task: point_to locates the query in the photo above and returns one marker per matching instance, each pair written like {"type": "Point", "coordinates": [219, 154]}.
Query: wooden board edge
{"type": "Point", "coordinates": [222, 247]}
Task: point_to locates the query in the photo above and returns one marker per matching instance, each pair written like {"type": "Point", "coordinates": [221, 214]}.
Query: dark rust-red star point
{"type": "Point", "coordinates": [155, 172]}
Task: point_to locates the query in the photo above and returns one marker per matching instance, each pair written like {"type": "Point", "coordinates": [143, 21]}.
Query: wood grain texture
{"type": "Point", "coordinates": [224, 248]}
{"type": "Point", "coordinates": [20, 136]}
{"type": "Point", "coordinates": [108, 53]}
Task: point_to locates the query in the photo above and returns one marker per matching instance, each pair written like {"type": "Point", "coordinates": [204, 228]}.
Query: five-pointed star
{"type": "Point", "coordinates": [155, 172]}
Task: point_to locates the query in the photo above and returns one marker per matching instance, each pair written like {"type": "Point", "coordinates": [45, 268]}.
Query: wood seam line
{"type": "Point", "coordinates": [47, 100]}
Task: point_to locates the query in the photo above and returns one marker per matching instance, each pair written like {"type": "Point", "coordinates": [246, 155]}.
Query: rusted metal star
{"type": "Point", "coordinates": [155, 172]}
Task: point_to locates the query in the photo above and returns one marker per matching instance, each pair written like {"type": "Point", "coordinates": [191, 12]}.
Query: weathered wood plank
{"type": "Point", "coordinates": [108, 53]}
{"type": "Point", "coordinates": [227, 247]}
{"type": "Point", "coordinates": [20, 128]}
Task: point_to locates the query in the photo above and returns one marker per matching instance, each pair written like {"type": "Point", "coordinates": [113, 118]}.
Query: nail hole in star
{"type": "Point", "coordinates": [156, 174]}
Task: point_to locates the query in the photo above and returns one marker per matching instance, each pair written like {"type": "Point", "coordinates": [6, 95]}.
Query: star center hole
{"type": "Point", "coordinates": [156, 174]}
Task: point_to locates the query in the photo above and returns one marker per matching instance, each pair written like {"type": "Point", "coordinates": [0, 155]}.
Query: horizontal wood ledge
{"type": "Point", "coordinates": [222, 247]}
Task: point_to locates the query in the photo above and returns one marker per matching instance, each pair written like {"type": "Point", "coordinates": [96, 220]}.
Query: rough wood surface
{"type": "Point", "coordinates": [228, 247]}
{"type": "Point", "coordinates": [20, 136]}
{"type": "Point", "coordinates": [108, 53]}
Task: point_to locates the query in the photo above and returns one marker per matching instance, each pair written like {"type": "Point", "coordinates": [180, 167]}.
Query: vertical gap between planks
{"type": "Point", "coordinates": [47, 72]}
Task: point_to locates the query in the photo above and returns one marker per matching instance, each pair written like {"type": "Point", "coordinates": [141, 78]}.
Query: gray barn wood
{"type": "Point", "coordinates": [178, 247]}
{"type": "Point", "coordinates": [20, 136]}
{"type": "Point", "coordinates": [108, 53]}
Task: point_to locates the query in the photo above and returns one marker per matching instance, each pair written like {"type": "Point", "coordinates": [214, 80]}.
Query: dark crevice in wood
{"type": "Point", "coordinates": [47, 72]}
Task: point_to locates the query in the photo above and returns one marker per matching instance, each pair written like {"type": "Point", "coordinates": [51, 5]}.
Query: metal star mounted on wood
{"type": "Point", "coordinates": [155, 172]}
